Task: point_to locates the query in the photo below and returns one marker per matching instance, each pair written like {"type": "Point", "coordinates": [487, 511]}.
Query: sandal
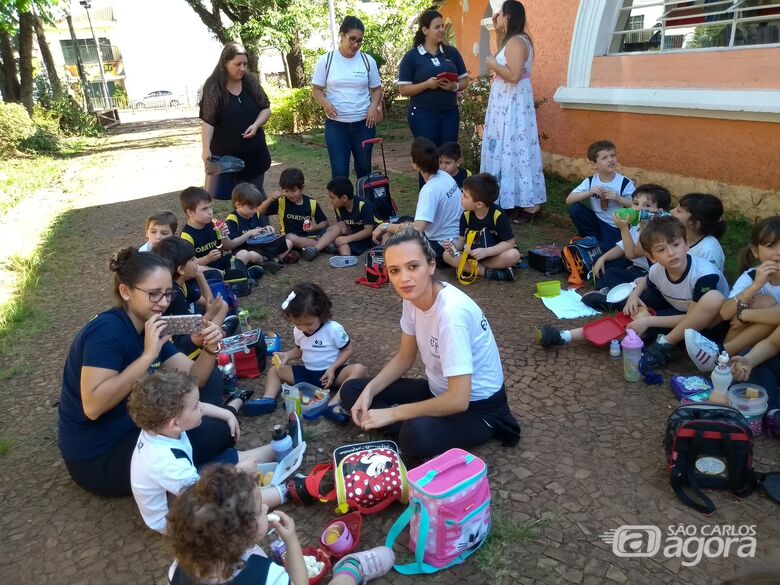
{"type": "Point", "coordinates": [372, 564]}
{"type": "Point", "coordinates": [336, 413]}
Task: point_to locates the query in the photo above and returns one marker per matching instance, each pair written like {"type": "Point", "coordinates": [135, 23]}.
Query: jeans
{"type": "Point", "coordinates": [343, 139]}
{"type": "Point", "coordinates": [438, 126]}
{"type": "Point", "coordinates": [588, 224]}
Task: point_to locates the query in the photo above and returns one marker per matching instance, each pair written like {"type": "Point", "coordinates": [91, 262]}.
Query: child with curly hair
{"type": "Point", "coordinates": [214, 527]}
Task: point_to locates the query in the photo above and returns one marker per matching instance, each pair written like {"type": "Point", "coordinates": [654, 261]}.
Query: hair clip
{"type": "Point", "coordinates": [288, 300]}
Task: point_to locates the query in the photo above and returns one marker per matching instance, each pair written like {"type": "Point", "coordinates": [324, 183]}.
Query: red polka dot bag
{"type": "Point", "coordinates": [368, 477]}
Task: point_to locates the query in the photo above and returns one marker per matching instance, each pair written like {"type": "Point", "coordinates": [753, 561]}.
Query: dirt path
{"type": "Point", "coordinates": [590, 459]}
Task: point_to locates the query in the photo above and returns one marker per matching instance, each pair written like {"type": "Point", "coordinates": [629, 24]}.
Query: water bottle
{"type": "Point", "coordinates": [229, 378]}
{"type": "Point", "coordinates": [628, 214]}
{"type": "Point", "coordinates": [614, 349]}
{"type": "Point", "coordinates": [243, 321]}
{"type": "Point", "coordinates": [645, 215]}
{"type": "Point", "coordinates": [632, 353]}
{"type": "Point", "coordinates": [307, 223]}
{"type": "Point", "coordinates": [281, 443]}
{"type": "Point", "coordinates": [721, 380]}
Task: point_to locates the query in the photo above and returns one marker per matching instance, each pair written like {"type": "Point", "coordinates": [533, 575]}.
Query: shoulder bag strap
{"type": "Point", "coordinates": [706, 507]}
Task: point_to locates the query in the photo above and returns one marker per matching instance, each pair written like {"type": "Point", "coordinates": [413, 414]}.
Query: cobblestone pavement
{"type": "Point", "coordinates": [590, 459]}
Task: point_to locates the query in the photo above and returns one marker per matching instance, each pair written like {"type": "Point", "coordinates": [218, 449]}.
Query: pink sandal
{"type": "Point", "coordinates": [374, 563]}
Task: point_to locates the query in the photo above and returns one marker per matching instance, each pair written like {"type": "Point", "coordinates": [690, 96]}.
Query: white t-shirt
{"type": "Point", "coordinates": [746, 279]}
{"type": "Point", "coordinates": [454, 338]}
{"type": "Point", "coordinates": [615, 184]}
{"type": "Point", "coordinates": [321, 348]}
{"type": "Point", "coordinates": [348, 83]}
{"type": "Point", "coordinates": [439, 205]}
{"type": "Point", "coordinates": [642, 260]}
{"type": "Point", "coordinates": [709, 248]}
{"type": "Point", "coordinates": [160, 465]}
{"type": "Point", "coordinates": [699, 277]}
{"type": "Point", "coordinates": [146, 247]}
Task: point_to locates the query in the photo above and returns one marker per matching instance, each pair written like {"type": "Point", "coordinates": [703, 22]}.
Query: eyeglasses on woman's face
{"type": "Point", "coordinates": [155, 296]}
{"type": "Point", "coordinates": [357, 41]}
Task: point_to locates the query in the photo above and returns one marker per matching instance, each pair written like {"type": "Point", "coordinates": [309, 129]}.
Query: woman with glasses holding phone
{"type": "Point", "coordinates": [346, 84]}
{"type": "Point", "coordinates": [116, 348]}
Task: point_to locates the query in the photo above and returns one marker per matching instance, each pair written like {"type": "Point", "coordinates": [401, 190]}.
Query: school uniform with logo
{"type": "Point", "coordinates": [256, 569]}
{"type": "Point", "coordinates": [492, 229]}
{"type": "Point", "coordinates": [362, 215]}
{"type": "Point", "coordinates": [746, 280]}
{"type": "Point", "coordinates": [318, 351]}
{"type": "Point", "coordinates": [439, 205]}
{"type": "Point", "coordinates": [595, 221]}
{"type": "Point", "coordinates": [204, 240]}
{"type": "Point", "coordinates": [160, 466]}
{"type": "Point", "coordinates": [292, 216]}
{"type": "Point", "coordinates": [699, 278]}
{"type": "Point", "coordinates": [709, 249]}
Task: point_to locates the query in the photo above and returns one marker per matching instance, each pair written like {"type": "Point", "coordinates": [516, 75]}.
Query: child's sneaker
{"type": "Point", "coordinates": [657, 355]}
{"type": "Point", "coordinates": [597, 299]}
{"type": "Point", "coordinates": [255, 272]}
{"type": "Point", "coordinates": [309, 253]}
{"type": "Point", "coordinates": [549, 336]}
{"type": "Point", "coordinates": [366, 564]}
{"type": "Point", "coordinates": [702, 351]}
{"type": "Point", "coordinates": [259, 407]}
{"type": "Point", "coordinates": [238, 394]}
{"type": "Point", "coordinates": [500, 274]}
{"type": "Point", "coordinates": [271, 266]}
{"type": "Point", "coordinates": [296, 488]}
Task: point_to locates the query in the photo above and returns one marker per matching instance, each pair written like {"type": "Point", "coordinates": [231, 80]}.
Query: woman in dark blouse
{"type": "Point", "coordinates": [233, 110]}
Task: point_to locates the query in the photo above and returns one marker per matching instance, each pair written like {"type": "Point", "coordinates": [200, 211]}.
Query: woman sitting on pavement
{"type": "Point", "coordinates": [116, 348]}
{"type": "Point", "coordinates": [462, 401]}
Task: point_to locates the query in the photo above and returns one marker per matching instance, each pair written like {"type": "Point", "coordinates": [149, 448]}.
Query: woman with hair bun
{"type": "Point", "coordinates": [116, 348]}
{"type": "Point", "coordinates": [461, 402]}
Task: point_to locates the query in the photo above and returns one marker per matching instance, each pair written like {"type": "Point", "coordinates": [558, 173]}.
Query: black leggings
{"type": "Point", "coordinates": [424, 436]}
{"type": "Point", "coordinates": [108, 474]}
{"type": "Point", "coordinates": [767, 375]}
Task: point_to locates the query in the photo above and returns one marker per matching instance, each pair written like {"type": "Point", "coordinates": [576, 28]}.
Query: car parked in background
{"type": "Point", "coordinates": [159, 99]}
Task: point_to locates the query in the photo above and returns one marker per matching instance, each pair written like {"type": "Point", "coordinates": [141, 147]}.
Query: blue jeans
{"type": "Point", "coordinates": [438, 126]}
{"type": "Point", "coordinates": [588, 224]}
{"type": "Point", "coordinates": [343, 139]}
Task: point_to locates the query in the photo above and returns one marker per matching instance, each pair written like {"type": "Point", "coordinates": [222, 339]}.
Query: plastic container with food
{"type": "Point", "coordinates": [313, 400]}
{"type": "Point", "coordinates": [751, 400]}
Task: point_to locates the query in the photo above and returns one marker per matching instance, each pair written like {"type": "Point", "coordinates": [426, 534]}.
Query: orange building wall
{"type": "Point", "coordinates": [727, 151]}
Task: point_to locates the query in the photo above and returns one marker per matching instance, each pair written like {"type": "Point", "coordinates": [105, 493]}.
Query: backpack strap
{"type": "Point", "coordinates": [496, 215]}
{"type": "Point", "coordinates": [313, 205]}
{"type": "Point", "coordinates": [706, 506]}
{"type": "Point", "coordinates": [740, 487]}
{"type": "Point", "coordinates": [328, 61]}
{"type": "Point", "coordinates": [280, 213]}
{"type": "Point", "coordinates": [419, 565]}
{"type": "Point", "coordinates": [473, 273]}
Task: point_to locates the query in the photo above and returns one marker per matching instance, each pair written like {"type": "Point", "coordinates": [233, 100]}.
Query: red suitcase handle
{"type": "Point", "coordinates": [373, 141]}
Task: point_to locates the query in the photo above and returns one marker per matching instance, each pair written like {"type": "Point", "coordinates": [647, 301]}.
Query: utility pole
{"type": "Point", "coordinates": [79, 63]}
{"type": "Point", "coordinates": [103, 85]}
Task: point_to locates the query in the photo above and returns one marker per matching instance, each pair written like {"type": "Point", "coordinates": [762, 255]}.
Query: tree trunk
{"type": "Point", "coordinates": [212, 20]}
{"type": "Point", "coordinates": [25, 59]}
{"type": "Point", "coordinates": [295, 63]}
{"type": "Point", "coordinates": [11, 90]}
{"type": "Point", "coordinates": [48, 61]}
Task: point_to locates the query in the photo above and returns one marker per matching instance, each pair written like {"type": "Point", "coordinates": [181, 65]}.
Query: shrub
{"type": "Point", "coordinates": [15, 127]}
{"type": "Point", "coordinates": [293, 111]}
{"type": "Point", "coordinates": [46, 138]}
{"type": "Point", "coordinates": [65, 110]}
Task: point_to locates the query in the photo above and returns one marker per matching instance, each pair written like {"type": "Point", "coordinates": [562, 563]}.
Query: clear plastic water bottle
{"type": "Point", "coordinates": [632, 353]}
{"type": "Point", "coordinates": [281, 443]}
{"type": "Point", "coordinates": [721, 380]}
{"type": "Point", "coordinates": [614, 349]}
{"type": "Point", "coordinates": [243, 321]}
{"type": "Point", "coordinates": [229, 378]}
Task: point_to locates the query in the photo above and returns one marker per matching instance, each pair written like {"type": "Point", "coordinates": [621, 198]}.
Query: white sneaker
{"type": "Point", "coordinates": [702, 351]}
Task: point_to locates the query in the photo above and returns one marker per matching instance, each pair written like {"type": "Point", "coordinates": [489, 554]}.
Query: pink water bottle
{"type": "Point", "coordinates": [632, 353]}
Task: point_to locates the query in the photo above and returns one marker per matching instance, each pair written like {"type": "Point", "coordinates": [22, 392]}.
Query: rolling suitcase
{"type": "Point", "coordinates": [375, 187]}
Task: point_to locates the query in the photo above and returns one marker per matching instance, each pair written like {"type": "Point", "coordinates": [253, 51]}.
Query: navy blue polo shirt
{"type": "Point", "coordinates": [238, 225]}
{"type": "Point", "coordinates": [204, 240]}
{"type": "Point", "coordinates": [419, 65]}
{"type": "Point", "coordinates": [109, 341]}
{"type": "Point", "coordinates": [362, 214]}
{"type": "Point", "coordinates": [292, 216]}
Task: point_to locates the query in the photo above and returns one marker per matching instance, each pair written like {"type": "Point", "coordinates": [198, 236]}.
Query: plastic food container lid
{"type": "Point", "coordinates": [748, 406]}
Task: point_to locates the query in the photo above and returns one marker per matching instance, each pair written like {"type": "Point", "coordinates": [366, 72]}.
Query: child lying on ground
{"type": "Point", "coordinates": [686, 292]}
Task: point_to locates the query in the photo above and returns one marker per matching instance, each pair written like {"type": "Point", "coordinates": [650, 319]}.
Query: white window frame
{"type": "Point", "coordinates": [591, 37]}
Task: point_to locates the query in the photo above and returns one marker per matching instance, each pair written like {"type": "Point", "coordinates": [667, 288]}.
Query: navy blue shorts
{"type": "Point", "coordinates": [301, 374]}
{"type": "Point", "coordinates": [227, 456]}
{"type": "Point", "coordinates": [357, 248]}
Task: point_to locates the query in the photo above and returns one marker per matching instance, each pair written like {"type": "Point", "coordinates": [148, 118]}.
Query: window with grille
{"type": "Point", "coordinates": [674, 25]}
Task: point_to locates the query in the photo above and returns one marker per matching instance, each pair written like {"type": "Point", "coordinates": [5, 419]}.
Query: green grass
{"type": "Point", "coordinates": [6, 443]}
{"type": "Point", "coordinates": [22, 176]}
{"type": "Point", "coordinates": [506, 544]}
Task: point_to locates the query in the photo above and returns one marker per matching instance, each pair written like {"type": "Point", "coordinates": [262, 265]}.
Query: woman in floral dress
{"type": "Point", "coordinates": [510, 142]}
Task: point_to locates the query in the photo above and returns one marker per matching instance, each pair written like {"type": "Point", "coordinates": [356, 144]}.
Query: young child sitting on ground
{"type": "Point", "coordinates": [684, 291]}
{"type": "Point", "coordinates": [212, 248]}
{"type": "Point", "coordinates": [622, 263]}
{"type": "Point", "coordinates": [184, 268]}
{"type": "Point", "coordinates": [322, 343]}
{"type": "Point", "coordinates": [607, 191]}
{"type": "Point", "coordinates": [166, 405]}
{"type": "Point", "coordinates": [355, 219]}
{"type": "Point", "coordinates": [751, 307]}
{"type": "Point", "coordinates": [301, 219]}
{"type": "Point", "coordinates": [214, 527]}
{"type": "Point", "coordinates": [162, 224]}
{"type": "Point", "coordinates": [494, 244]}
{"type": "Point", "coordinates": [702, 216]}
{"type": "Point", "coordinates": [438, 206]}
{"type": "Point", "coordinates": [450, 161]}
{"type": "Point", "coordinates": [244, 222]}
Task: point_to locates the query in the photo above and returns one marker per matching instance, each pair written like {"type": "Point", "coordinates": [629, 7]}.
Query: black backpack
{"type": "Point", "coordinates": [709, 446]}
